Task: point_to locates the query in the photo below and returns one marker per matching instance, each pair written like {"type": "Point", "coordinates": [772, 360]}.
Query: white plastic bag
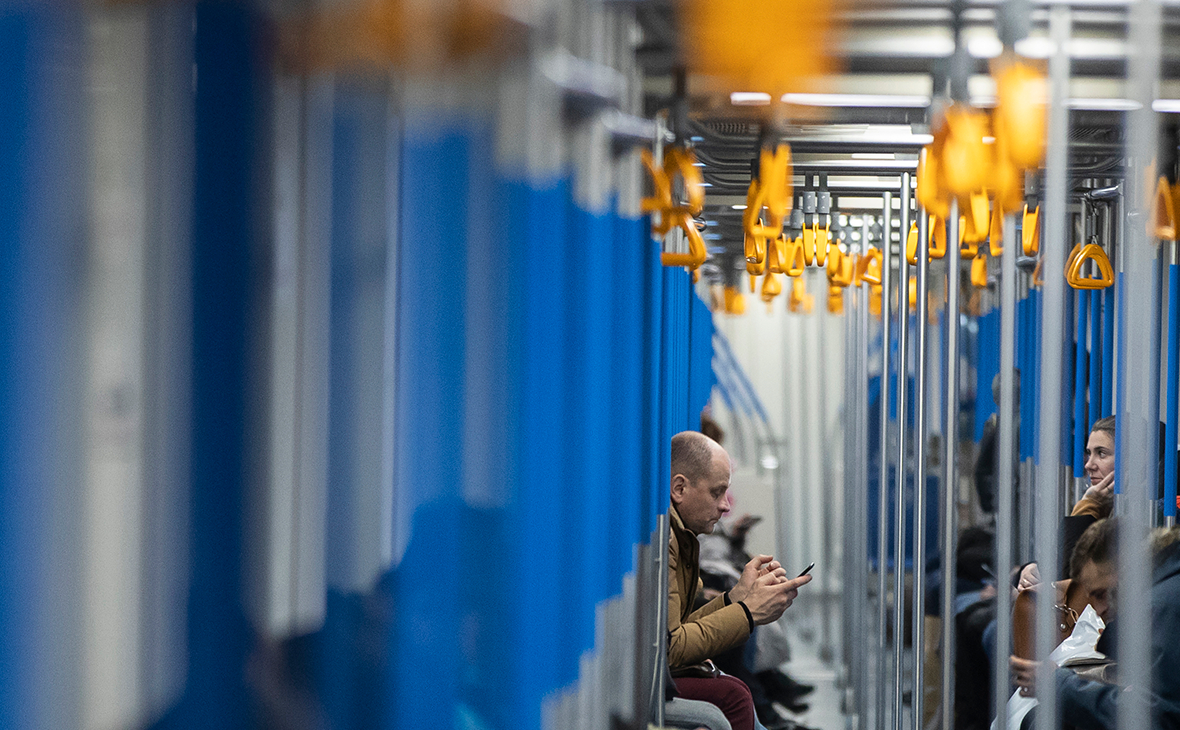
{"type": "Point", "coordinates": [1078, 646]}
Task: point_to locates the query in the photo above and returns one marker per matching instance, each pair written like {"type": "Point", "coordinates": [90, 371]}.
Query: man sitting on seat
{"type": "Point", "coordinates": [700, 482]}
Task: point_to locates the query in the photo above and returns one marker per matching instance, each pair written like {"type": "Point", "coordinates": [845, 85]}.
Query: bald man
{"type": "Point", "coordinates": [700, 482]}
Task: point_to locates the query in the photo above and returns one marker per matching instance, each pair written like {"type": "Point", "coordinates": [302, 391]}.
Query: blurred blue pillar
{"type": "Point", "coordinates": [41, 284]}
{"type": "Point", "coordinates": [429, 422]}
{"type": "Point", "coordinates": [231, 72]}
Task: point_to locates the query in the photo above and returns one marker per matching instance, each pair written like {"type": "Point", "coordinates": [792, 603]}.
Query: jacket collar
{"type": "Point", "coordinates": [683, 535]}
{"type": "Point", "coordinates": [677, 523]}
{"type": "Point", "coordinates": [1170, 564]}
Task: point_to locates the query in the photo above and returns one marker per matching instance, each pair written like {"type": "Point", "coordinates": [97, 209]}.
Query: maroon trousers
{"type": "Point", "coordinates": [730, 694]}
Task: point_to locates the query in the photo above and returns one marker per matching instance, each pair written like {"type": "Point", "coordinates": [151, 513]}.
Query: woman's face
{"type": "Point", "coordinates": [1099, 456]}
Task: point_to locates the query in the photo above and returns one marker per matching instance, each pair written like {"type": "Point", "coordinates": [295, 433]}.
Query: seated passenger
{"type": "Point", "coordinates": [699, 485]}
{"type": "Point", "coordinates": [1093, 581]}
{"type": "Point", "coordinates": [1093, 705]}
{"type": "Point", "coordinates": [1095, 503]}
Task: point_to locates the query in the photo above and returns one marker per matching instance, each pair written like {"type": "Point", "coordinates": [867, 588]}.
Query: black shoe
{"type": "Point", "coordinates": [783, 687]}
{"type": "Point", "coordinates": [797, 707]}
{"type": "Point", "coordinates": [771, 719]}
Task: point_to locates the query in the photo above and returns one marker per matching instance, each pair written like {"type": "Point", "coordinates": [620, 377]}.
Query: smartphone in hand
{"type": "Point", "coordinates": [806, 571]}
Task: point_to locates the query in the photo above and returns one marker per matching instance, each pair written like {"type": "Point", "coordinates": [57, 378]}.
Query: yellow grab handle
{"type": "Point", "coordinates": [937, 236]}
{"type": "Point", "coordinates": [822, 238]}
{"type": "Point", "coordinates": [1030, 235]}
{"type": "Point", "coordinates": [835, 261]}
{"type": "Point", "coordinates": [911, 243]}
{"type": "Point", "coordinates": [841, 268]}
{"type": "Point", "coordinates": [967, 247]}
{"type": "Point", "coordinates": [977, 217]}
{"type": "Point", "coordinates": [800, 299]}
{"type": "Point", "coordinates": [835, 300]}
{"type": "Point", "coordinates": [754, 269]}
{"type": "Point", "coordinates": [793, 258]}
{"type": "Point", "coordinates": [1019, 117]}
{"type": "Point", "coordinates": [869, 266]}
{"type": "Point", "coordinates": [913, 292]}
{"type": "Point", "coordinates": [1007, 181]}
{"type": "Point", "coordinates": [1069, 259]}
{"type": "Point", "coordinates": [995, 236]}
{"type": "Point", "coordinates": [661, 197]}
{"type": "Point", "coordinates": [929, 192]}
{"type": "Point", "coordinates": [808, 245]}
{"type": "Point", "coordinates": [697, 253]}
{"type": "Point", "coordinates": [755, 243]}
{"type": "Point", "coordinates": [771, 287]}
{"type": "Point", "coordinates": [857, 269]}
{"type": "Point", "coordinates": [875, 300]}
{"type": "Point", "coordinates": [681, 161]}
{"type": "Point", "coordinates": [775, 180]}
{"type": "Point", "coordinates": [1164, 226]}
{"type": "Point", "coordinates": [964, 159]}
{"type": "Point", "coordinates": [979, 270]}
{"type": "Point", "coordinates": [1092, 252]}
{"type": "Point", "coordinates": [735, 302]}
{"type": "Point", "coordinates": [755, 251]}
{"type": "Point", "coordinates": [774, 255]}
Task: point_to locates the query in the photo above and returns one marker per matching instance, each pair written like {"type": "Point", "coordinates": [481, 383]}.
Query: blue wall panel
{"type": "Point", "coordinates": [429, 422]}
{"type": "Point", "coordinates": [534, 216]}
{"type": "Point", "coordinates": [231, 80]}
{"type": "Point", "coordinates": [986, 368]}
{"type": "Point", "coordinates": [41, 214]}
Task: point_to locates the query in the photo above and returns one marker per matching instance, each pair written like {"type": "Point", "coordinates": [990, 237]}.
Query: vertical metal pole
{"type": "Point", "coordinates": [1005, 468]}
{"type": "Point", "coordinates": [919, 569]}
{"type": "Point", "coordinates": [1095, 392]}
{"type": "Point", "coordinates": [819, 402]}
{"type": "Point", "coordinates": [848, 554]}
{"type": "Point", "coordinates": [1054, 397]}
{"type": "Point", "coordinates": [862, 493]}
{"type": "Point", "coordinates": [1138, 368]}
{"type": "Point", "coordinates": [903, 314]}
{"type": "Point", "coordinates": [883, 476]}
{"type": "Point", "coordinates": [663, 532]}
{"type": "Point", "coordinates": [950, 484]}
{"type": "Point", "coordinates": [1081, 375]}
{"type": "Point", "coordinates": [1173, 412]}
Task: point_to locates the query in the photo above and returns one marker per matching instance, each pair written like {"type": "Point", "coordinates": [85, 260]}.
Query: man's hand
{"type": "Point", "coordinates": [1102, 492]}
{"type": "Point", "coordinates": [1030, 577]}
{"type": "Point", "coordinates": [1024, 674]}
{"type": "Point", "coordinates": [771, 595]}
{"type": "Point", "coordinates": [758, 566]}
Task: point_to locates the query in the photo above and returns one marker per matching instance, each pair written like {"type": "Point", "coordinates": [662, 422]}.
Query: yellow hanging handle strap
{"type": "Point", "coordinates": [793, 257]}
{"type": "Point", "coordinates": [841, 268]}
{"type": "Point", "coordinates": [1165, 212]}
{"type": "Point", "coordinates": [995, 235]}
{"type": "Point", "coordinates": [735, 303]}
{"type": "Point", "coordinates": [869, 266]}
{"type": "Point", "coordinates": [823, 237]}
{"type": "Point", "coordinates": [1089, 252]}
{"type": "Point", "coordinates": [679, 163]}
{"type": "Point", "coordinates": [697, 253]}
{"type": "Point", "coordinates": [835, 299]}
{"type": "Point", "coordinates": [979, 270]}
{"type": "Point", "coordinates": [800, 300]}
{"type": "Point", "coordinates": [1030, 236]}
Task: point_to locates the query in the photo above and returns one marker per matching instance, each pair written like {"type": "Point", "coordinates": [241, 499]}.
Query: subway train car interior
{"type": "Point", "coordinates": [589, 364]}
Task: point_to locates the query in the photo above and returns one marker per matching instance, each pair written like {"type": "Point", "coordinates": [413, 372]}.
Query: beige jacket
{"type": "Point", "coordinates": [694, 636]}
